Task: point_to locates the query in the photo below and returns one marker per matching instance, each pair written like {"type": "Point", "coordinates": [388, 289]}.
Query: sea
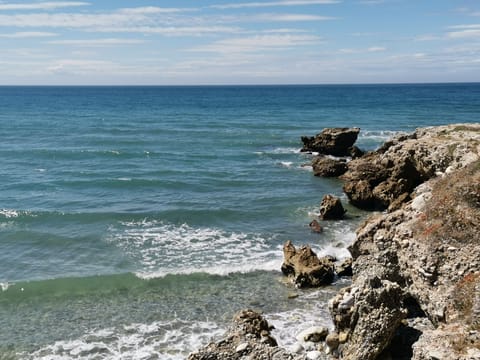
{"type": "Point", "coordinates": [136, 221]}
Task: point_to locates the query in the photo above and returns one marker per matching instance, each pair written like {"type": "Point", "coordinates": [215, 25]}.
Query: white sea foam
{"type": "Point", "coordinates": [279, 150]}
{"type": "Point", "coordinates": [5, 285]}
{"type": "Point", "coordinates": [168, 340]}
{"type": "Point", "coordinates": [287, 164]}
{"type": "Point", "coordinates": [161, 249]}
{"type": "Point", "coordinates": [7, 213]}
{"type": "Point", "coordinates": [312, 310]}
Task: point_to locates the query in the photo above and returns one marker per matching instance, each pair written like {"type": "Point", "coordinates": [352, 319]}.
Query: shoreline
{"type": "Point", "coordinates": [400, 302]}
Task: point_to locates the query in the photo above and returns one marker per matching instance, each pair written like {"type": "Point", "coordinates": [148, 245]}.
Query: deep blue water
{"type": "Point", "coordinates": [144, 217]}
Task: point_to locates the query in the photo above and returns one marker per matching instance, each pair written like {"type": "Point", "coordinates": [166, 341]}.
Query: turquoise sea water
{"type": "Point", "coordinates": [134, 221]}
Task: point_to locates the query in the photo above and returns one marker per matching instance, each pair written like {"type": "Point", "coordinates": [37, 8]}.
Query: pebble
{"type": "Point", "coordinates": [242, 347]}
{"type": "Point", "coordinates": [296, 348]}
{"type": "Point", "coordinates": [314, 355]}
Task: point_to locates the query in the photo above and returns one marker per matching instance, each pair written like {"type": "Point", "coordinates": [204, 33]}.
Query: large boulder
{"type": "Point", "coordinates": [331, 141]}
{"type": "Point", "coordinates": [366, 318]}
{"type": "Point", "coordinates": [305, 268]}
{"type": "Point", "coordinates": [331, 208]}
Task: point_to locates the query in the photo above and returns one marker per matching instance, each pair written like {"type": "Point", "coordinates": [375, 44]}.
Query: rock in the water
{"type": "Point", "coordinates": [305, 268]}
{"type": "Point", "coordinates": [315, 226]}
{"type": "Point", "coordinates": [331, 208]}
{"type": "Point", "coordinates": [328, 167]}
{"type": "Point", "coordinates": [331, 141]}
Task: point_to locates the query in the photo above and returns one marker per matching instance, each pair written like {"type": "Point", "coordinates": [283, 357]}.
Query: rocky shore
{"type": "Point", "coordinates": [415, 291]}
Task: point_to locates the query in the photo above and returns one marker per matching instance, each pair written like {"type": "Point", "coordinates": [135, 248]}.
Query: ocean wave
{"type": "Point", "coordinates": [279, 150]}
{"type": "Point", "coordinates": [161, 249]}
{"type": "Point", "coordinates": [379, 135]}
{"type": "Point", "coordinates": [168, 340]}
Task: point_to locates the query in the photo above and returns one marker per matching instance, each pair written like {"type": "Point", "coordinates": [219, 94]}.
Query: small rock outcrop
{"type": "Point", "coordinates": [305, 268]}
{"type": "Point", "coordinates": [331, 141]}
{"type": "Point", "coordinates": [248, 338]}
{"type": "Point", "coordinates": [315, 226]}
{"type": "Point", "coordinates": [331, 208]}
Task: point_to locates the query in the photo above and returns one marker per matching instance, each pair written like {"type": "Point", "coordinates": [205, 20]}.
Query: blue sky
{"type": "Point", "coordinates": [183, 42]}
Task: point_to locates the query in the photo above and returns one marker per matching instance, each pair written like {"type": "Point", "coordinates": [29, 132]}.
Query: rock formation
{"type": "Point", "coordinates": [248, 338]}
{"type": "Point", "coordinates": [415, 293]}
{"type": "Point", "coordinates": [417, 268]}
{"type": "Point", "coordinates": [385, 178]}
{"type": "Point", "coordinates": [305, 268]}
{"type": "Point", "coordinates": [332, 141]}
{"type": "Point", "coordinates": [331, 208]}
{"type": "Point", "coordinates": [328, 167]}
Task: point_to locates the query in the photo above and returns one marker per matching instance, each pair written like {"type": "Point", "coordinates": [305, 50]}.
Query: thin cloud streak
{"type": "Point", "coordinates": [274, 3]}
{"type": "Point", "coordinates": [97, 42]}
{"type": "Point", "coordinates": [42, 5]}
{"type": "Point", "coordinates": [28, 34]}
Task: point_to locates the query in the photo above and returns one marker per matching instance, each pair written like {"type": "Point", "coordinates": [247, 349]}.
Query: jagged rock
{"type": "Point", "coordinates": [305, 268]}
{"type": "Point", "coordinates": [378, 179]}
{"type": "Point", "coordinates": [315, 226]}
{"type": "Point", "coordinates": [328, 167]}
{"type": "Point", "coordinates": [370, 317]}
{"type": "Point", "coordinates": [423, 256]}
{"type": "Point", "coordinates": [331, 141]}
{"type": "Point", "coordinates": [248, 338]}
{"type": "Point", "coordinates": [344, 268]}
{"type": "Point", "coordinates": [331, 208]}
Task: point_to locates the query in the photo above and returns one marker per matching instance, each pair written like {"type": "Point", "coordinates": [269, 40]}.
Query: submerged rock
{"type": "Point", "coordinates": [305, 268]}
{"type": "Point", "coordinates": [315, 226]}
{"type": "Point", "coordinates": [331, 141]}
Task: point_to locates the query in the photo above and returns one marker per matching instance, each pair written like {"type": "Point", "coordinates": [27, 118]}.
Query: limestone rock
{"type": "Point", "coordinates": [331, 208]}
{"type": "Point", "coordinates": [305, 268]}
{"type": "Point", "coordinates": [248, 338]}
{"type": "Point", "coordinates": [378, 179]}
{"type": "Point", "coordinates": [344, 268]}
{"type": "Point", "coordinates": [328, 167]}
{"type": "Point", "coordinates": [331, 141]}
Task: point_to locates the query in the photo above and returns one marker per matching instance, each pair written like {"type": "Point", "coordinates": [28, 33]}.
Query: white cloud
{"type": "Point", "coordinates": [51, 5]}
{"type": "Point", "coordinates": [465, 31]}
{"type": "Point", "coordinates": [27, 34]}
{"type": "Point", "coordinates": [376, 49]}
{"type": "Point", "coordinates": [288, 17]}
{"type": "Point", "coordinates": [97, 42]}
{"type": "Point", "coordinates": [154, 10]}
{"type": "Point", "coordinates": [173, 30]}
{"type": "Point", "coordinates": [274, 3]}
{"type": "Point", "coordinates": [258, 43]}
{"type": "Point", "coordinates": [427, 37]}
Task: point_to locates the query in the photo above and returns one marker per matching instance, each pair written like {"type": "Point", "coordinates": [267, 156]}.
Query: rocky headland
{"type": "Point", "coordinates": [415, 291]}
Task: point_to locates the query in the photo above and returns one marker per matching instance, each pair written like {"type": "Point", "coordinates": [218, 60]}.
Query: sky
{"type": "Point", "coordinates": [214, 42]}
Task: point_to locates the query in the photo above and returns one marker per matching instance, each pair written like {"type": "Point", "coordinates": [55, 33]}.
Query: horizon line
{"type": "Point", "coordinates": [243, 85]}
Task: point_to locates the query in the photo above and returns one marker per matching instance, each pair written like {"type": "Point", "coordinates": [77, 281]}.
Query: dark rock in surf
{"type": "Point", "coordinates": [331, 208]}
